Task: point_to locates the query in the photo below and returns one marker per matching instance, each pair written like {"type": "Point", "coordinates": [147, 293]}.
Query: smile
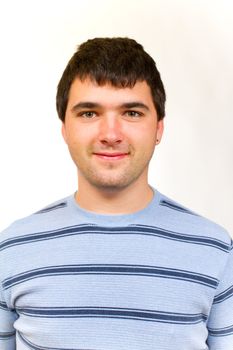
{"type": "Point", "coordinates": [111, 156]}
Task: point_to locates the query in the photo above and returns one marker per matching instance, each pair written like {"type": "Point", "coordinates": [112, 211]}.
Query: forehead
{"type": "Point", "coordinates": [107, 94]}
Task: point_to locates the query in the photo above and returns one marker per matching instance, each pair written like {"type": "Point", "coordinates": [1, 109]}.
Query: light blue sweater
{"type": "Point", "coordinates": [157, 279]}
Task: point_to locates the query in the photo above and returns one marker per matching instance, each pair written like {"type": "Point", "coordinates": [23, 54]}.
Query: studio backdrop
{"type": "Point", "coordinates": [191, 42]}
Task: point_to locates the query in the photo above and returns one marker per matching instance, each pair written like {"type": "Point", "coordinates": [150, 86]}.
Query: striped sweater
{"type": "Point", "coordinates": [157, 279]}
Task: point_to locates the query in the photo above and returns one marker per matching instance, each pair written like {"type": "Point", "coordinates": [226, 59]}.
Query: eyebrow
{"type": "Point", "coordinates": [135, 105]}
{"type": "Point", "coordinates": [92, 105]}
{"type": "Point", "coordinates": [82, 105]}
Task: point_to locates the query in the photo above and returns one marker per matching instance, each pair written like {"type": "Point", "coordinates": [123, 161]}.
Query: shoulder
{"type": "Point", "coordinates": [178, 217]}
{"type": "Point", "coordinates": [44, 219]}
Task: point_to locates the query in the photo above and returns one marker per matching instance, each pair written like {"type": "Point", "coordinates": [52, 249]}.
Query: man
{"type": "Point", "coordinates": [117, 265]}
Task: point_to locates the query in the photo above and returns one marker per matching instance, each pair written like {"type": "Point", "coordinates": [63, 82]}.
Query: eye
{"type": "Point", "coordinates": [134, 114]}
{"type": "Point", "coordinates": [88, 114]}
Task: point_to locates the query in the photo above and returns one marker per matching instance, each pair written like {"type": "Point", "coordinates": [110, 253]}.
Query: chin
{"type": "Point", "coordinates": [112, 186]}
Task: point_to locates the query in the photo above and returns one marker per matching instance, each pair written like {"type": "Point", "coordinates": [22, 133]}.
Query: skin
{"type": "Point", "coordinates": [111, 134]}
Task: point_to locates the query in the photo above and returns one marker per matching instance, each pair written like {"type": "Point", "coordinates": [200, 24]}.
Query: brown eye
{"type": "Point", "coordinates": [88, 115]}
{"type": "Point", "coordinates": [133, 114]}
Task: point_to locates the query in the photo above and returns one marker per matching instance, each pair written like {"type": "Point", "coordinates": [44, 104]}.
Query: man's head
{"type": "Point", "coordinates": [111, 102]}
{"type": "Point", "coordinates": [120, 62]}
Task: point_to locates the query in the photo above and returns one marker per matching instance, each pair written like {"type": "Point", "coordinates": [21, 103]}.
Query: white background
{"type": "Point", "coordinates": [191, 42]}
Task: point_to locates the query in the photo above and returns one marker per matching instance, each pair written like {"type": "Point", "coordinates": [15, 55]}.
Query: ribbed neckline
{"type": "Point", "coordinates": [115, 217]}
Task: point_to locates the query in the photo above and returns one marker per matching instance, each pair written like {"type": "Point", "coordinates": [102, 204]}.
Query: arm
{"type": "Point", "coordinates": [220, 323]}
{"type": "Point", "coordinates": [7, 331]}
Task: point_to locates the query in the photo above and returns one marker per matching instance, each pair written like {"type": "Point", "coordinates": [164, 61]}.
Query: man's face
{"type": "Point", "coordinates": [111, 133]}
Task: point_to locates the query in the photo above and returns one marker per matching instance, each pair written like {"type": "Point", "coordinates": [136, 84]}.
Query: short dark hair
{"type": "Point", "coordinates": [119, 61]}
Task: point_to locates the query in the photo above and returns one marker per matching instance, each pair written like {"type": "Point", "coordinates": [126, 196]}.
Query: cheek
{"type": "Point", "coordinates": [144, 135]}
{"type": "Point", "coordinates": [75, 135]}
{"type": "Point", "coordinates": [83, 133]}
{"type": "Point", "coordinates": [80, 144]}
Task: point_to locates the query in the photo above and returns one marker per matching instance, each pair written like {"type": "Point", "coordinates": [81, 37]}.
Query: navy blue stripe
{"type": "Point", "coordinates": [54, 207]}
{"type": "Point", "coordinates": [220, 332]}
{"type": "Point", "coordinates": [112, 269]}
{"type": "Point", "coordinates": [176, 207]}
{"type": "Point", "coordinates": [128, 230]}
{"type": "Point", "coordinates": [37, 347]}
{"type": "Point", "coordinates": [228, 293]}
{"type": "Point", "coordinates": [187, 238]}
{"type": "Point", "coordinates": [107, 312]}
{"type": "Point", "coordinates": [3, 306]}
{"type": "Point", "coordinates": [6, 335]}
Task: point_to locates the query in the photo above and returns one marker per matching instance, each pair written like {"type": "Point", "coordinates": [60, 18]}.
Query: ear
{"type": "Point", "coordinates": [159, 133]}
{"type": "Point", "coordinates": [63, 131]}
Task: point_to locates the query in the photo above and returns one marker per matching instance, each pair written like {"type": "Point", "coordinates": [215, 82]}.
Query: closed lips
{"type": "Point", "coordinates": [111, 154]}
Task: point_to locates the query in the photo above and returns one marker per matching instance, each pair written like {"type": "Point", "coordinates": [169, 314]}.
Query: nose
{"type": "Point", "coordinates": [110, 132]}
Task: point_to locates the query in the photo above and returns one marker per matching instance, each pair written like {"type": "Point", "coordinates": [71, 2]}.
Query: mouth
{"type": "Point", "coordinates": [111, 156]}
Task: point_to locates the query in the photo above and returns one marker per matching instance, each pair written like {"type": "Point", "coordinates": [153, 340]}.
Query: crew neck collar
{"type": "Point", "coordinates": [115, 217]}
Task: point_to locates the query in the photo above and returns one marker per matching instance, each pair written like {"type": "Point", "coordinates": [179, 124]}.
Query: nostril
{"type": "Point", "coordinates": [110, 141]}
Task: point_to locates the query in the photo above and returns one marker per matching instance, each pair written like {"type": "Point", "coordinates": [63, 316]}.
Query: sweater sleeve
{"type": "Point", "coordinates": [7, 319]}
{"type": "Point", "coordinates": [220, 322]}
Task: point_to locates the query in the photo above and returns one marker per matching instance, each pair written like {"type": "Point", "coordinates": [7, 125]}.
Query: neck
{"type": "Point", "coordinates": [124, 201]}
